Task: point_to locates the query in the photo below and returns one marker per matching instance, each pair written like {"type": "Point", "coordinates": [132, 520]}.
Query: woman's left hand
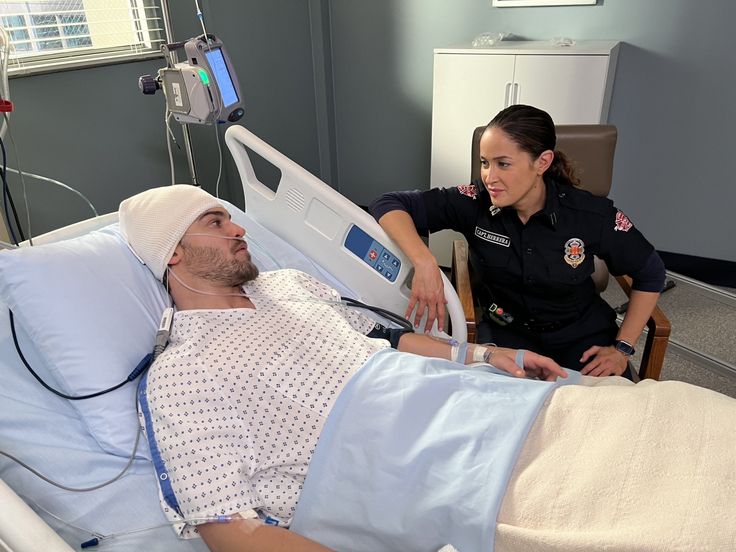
{"type": "Point", "coordinates": [606, 361]}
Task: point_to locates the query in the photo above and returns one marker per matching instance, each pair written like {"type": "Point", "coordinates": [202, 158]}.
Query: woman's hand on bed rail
{"type": "Point", "coordinates": [533, 365]}
{"type": "Point", "coordinates": [427, 294]}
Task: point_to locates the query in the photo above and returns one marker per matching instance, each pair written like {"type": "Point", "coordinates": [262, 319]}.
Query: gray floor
{"type": "Point", "coordinates": [701, 322]}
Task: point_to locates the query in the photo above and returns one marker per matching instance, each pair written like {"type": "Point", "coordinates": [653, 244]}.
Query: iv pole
{"type": "Point", "coordinates": [184, 127]}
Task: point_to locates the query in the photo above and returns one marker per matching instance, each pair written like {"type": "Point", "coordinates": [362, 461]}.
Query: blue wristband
{"type": "Point", "coordinates": [520, 358]}
{"type": "Point", "coordinates": [462, 352]}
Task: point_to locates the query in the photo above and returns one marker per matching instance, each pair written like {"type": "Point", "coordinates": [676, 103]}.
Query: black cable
{"type": "Point", "coordinates": [398, 319]}
{"type": "Point", "coordinates": [142, 365]}
{"type": "Point", "coordinates": [8, 197]}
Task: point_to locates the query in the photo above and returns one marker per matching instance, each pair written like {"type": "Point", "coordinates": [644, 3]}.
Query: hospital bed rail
{"type": "Point", "coordinates": [331, 230]}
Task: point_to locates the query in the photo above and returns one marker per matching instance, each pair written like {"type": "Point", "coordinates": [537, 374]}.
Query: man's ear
{"type": "Point", "coordinates": [177, 256]}
{"type": "Point", "coordinates": [544, 161]}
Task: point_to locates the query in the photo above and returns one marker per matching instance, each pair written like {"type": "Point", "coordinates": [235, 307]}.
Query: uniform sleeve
{"type": "Point", "coordinates": [436, 209]}
{"type": "Point", "coordinates": [652, 275]}
{"type": "Point", "coordinates": [624, 249]}
{"type": "Point", "coordinates": [409, 202]}
{"type": "Point", "coordinates": [454, 208]}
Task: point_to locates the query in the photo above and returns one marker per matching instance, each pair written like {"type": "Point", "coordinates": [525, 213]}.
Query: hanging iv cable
{"type": "Point", "coordinates": [162, 339]}
{"type": "Point", "coordinates": [99, 538]}
{"type": "Point", "coordinates": [392, 316]}
{"type": "Point", "coordinates": [8, 199]}
{"type": "Point", "coordinates": [131, 458]}
{"type": "Point", "coordinates": [56, 182]}
{"type": "Point", "coordinates": [4, 87]}
{"type": "Point", "coordinates": [22, 179]}
{"type": "Point", "coordinates": [219, 153]}
{"type": "Point", "coordinates": [139, 369]}
{"type": "Point", "coordinates": [201, 21]}
{"type": "Point", "coordinates": [169, 137]}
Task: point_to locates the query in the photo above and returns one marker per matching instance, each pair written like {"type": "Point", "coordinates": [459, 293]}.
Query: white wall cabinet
{"type": "Point", "coordinates": [572, 83]}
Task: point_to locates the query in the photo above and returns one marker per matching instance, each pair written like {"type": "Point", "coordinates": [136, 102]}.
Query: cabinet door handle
{"type": "Point", "coordinates": [515, 97]}
{"type": "Point", "coordinates": [507, 95]}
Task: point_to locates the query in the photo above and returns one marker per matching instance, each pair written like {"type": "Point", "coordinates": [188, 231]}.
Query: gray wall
{"type": "Point", "coordinates": [93, 130]}
{"type": "Point", "coordinates": [344, 88]}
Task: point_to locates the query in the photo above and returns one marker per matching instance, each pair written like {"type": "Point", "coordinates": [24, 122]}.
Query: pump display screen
{"type": "Point", "coordinates": [222, 76]}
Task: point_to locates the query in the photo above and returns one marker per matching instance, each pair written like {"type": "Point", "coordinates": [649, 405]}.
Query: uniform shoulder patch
{"type": "Point", "coordinates": [470, 190]}
{"type": "Point", "coordinates": [623, 224]}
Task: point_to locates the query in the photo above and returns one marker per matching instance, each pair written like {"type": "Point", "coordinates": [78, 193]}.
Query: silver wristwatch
{"type": "Point", "coordinates": [624, 347]}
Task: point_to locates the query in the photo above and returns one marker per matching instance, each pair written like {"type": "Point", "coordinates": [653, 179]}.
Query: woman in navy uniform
{"type": "Point", "coordinates": [532, 235]}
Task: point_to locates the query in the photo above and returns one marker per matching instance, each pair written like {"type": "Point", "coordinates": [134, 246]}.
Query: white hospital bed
{"type": "Point", "coordinates": [335, 240]}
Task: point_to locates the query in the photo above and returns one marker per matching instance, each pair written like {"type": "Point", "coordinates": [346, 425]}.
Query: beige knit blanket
{"type": "Point", "coordinates": [621, 467]}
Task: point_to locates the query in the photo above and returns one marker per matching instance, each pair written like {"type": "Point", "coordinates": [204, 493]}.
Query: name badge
{"type": "Point", "coordinates": [492, 237]}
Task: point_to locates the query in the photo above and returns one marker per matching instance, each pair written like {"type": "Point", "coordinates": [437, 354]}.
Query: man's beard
{"type": "Point", "coordinates": [210, 264]}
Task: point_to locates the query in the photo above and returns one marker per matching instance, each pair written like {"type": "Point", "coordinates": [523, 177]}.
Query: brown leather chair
{"type": "Point", "coordinates": [591, 149]}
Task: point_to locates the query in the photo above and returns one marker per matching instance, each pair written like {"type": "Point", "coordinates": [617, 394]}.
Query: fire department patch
{"type": "Point", "coordinates": [574, 252]}
{"type": "Point", "coordinates": [623, 224]}
{"type": "Point", "coordinates": [469, 190]}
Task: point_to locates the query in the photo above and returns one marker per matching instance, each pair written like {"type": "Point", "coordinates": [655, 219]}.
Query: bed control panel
{"type": "Point", "coordinates": [373, 253]}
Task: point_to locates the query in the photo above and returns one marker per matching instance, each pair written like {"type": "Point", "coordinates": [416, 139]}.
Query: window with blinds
{"type": "Point", "coordinates": [44, 35]}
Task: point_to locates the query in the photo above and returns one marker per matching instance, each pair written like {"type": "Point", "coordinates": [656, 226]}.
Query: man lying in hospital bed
{"type": "Point", "coordinates": [406, 460]}
{"type": "Point", "coordinates": [234, 406]}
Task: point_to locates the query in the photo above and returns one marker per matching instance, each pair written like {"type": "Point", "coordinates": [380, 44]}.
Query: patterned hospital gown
{"type": "Point", "coordinates": [239, 397]}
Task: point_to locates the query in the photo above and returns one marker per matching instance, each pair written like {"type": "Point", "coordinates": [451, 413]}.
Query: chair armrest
{"type": "Point", "coordinates": [460, 278]}
{"type": "Point", "coordinates": [658, 335]}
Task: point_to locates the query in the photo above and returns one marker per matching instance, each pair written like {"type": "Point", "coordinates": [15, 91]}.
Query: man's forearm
{"type": "Point", "coordinates": [246, 535]}
{"type": "Point", "coordinates": [422, 344]}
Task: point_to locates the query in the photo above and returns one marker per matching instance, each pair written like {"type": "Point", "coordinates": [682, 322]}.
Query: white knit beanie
{"type": "Point", "coordinates": [153, 222]}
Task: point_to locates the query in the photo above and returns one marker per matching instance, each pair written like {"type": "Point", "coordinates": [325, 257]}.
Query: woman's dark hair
{"type": "Point", "coordinates": [534, 132]}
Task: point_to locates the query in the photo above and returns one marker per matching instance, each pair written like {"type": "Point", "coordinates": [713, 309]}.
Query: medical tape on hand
{"type": "Point", "coordinates": [479, 353]}
{"type": "Point", "coordinates": [520, 358]}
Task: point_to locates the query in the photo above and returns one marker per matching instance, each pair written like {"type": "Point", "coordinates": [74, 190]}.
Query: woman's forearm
{"type": "Point", "coordinates": [401, 229]}
{"type": "Point", "coordinates": [641, 305]}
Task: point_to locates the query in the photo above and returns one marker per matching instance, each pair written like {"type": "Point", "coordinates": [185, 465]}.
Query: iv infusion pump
{"type": "Point", "coordinates": [203, 89]}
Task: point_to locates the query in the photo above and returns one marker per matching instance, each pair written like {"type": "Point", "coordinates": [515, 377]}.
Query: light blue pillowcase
{"type": "Point", "coordinates": [92, 310]}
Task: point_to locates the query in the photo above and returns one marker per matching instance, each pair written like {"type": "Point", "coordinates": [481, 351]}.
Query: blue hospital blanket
{"type": "Point", "coordinates": [416, 454]}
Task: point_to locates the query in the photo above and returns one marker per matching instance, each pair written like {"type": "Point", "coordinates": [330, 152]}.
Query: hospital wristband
{"type": "Point", "coordinates": [457, 352]}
